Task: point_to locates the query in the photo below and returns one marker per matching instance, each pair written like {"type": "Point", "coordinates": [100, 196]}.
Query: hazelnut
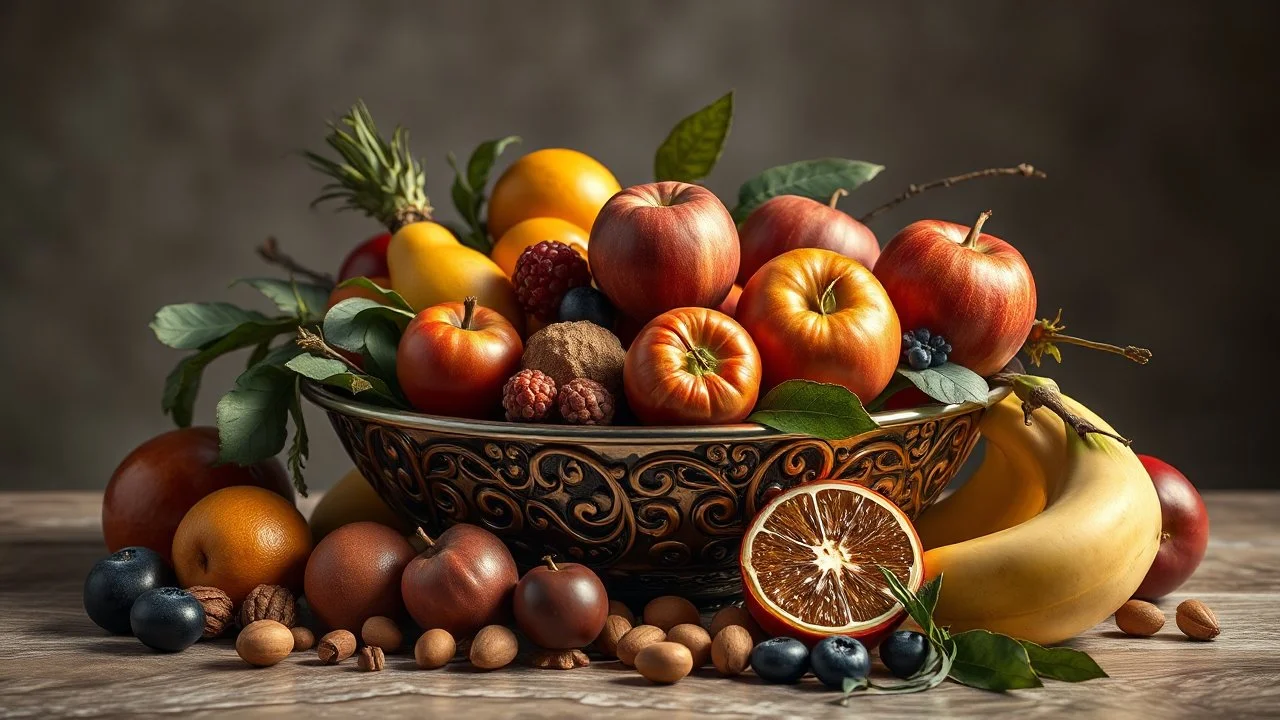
{"type": "Point", "coordinates": [268, 602]}
{"type": "Point", "coordinates": [733, 615]}
{"type": "Point", "coordinates": [336, 647]}
{"type": "Point", "coordinates": [493, 647]}
{"type": "Point", "coordinates": [637, 638]}
{"type": "Point", "coordinates": [382, 632]}
{"type": "Point", "coordinates": [669, 611]}
{"type": "Point", "coordinates": [619, 608]}
{"type": "Point", "coordinates": [664, 662]}
{"type": "Point", "coordinates": [1197, 621]}
{"type": "Point", "coordinates": [264, 643]}
{"type": "Point", "coordinates": [371, 659]}
{"type": "Point", "coordinates": [1139, 618]}
{"type": "Point", "coordinates": [434, 649]}
{"type": "Point", "coordinates": [615, 626]}
{"type": "Point", "coordinates": [694, 638]}
{"type": "Point", "coordinates": [731, 650]}
{"type": "Point", "coordinates": [219, 611]}
{"type": "Point", "coordinates": [303, 638]}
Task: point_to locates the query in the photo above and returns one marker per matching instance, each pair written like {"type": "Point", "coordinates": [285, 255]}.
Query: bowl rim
{"type": "Point", "coordinates": [499, 429]}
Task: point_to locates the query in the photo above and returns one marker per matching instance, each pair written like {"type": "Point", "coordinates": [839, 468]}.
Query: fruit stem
{"type": "Point", "coordinates": [827, 301]}
{"type": "Point", "coordinates": [835, 197]}
{"type": "Point", "coordinates": [1021, 170]}
{"type": "Point", "coordinates": [468, 311]}
{"type": "Point", "coordinates": [424, 537]}
{"type": "Point", "coordinates": [1045, 333]}
{"type": "Point", "coordinates": [971, 240]}
{"type": "Point", "coordinates": [314, 343]}
{"type": "Point", "coordinates": [1037, 392]}
{"type": "Point", "coordinates": [270, 251]}
{"type": "Point", "coordinates": [551, 563]}
{"type": "Point", "coordinates": [699, 361]}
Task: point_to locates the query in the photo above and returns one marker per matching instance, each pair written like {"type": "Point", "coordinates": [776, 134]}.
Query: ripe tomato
{"type": "Point", "coordinates": [692, 366]}
{"type": "Point", "coordinates": [454, 358]}
{"type": "Point", "coordinates": [818, 315]}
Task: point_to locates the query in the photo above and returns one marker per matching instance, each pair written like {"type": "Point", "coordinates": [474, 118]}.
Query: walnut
{"type": "Point", "coordinates": [269, 602]}
{"type": "Point", "coordinates": [218, 609]}
{"type": "Point", "coordinates": [371, 659]}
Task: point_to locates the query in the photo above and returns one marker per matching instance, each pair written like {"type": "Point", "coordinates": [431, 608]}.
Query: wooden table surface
{"type": "Point", "coordinates": [55, 662]}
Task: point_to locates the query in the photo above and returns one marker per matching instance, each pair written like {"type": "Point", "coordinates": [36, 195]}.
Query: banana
{"type": "Point", "coordinates": [1052, 575]}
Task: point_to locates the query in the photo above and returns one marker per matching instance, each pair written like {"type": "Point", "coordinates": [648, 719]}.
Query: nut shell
{"type": "Point", "coordinates": [1197, 621]}
{"type": "Point", "coordinates": [336, 647]}
{"type": "Point", "coordinates": [694, 638]}
{"type": "Point", "coordinates": [636, 640]}
{"type": "Point", "coordinates": [493, 647]}
{"type": "Point", "coordinates": [669, 611]}
{"type": "Point", "coordinates": [731, 650]}
{"type": "Point", "coordinates": [733, 615]}
{"type": "Point", "coordinates": [219, 611]}
{"type": "Point", "coordinates": [619, 608]}
{"type": "Point", "coordinates": [1139, 618]}
{"type": "Point", "coordinates": [434, 649]}
{"type": "Point", "coordinates": [664, 662]}
{"type": "Point", "coordinates": [269, 602]}
{"type": "Point", "coordinates": [263, 643]}
{"type": "Point", "coordinates": [382, 632]}
{"type": "Point", "coordinates": [615, 627]}
{"type": "Point", "coordinates": [303, 638]}
{"type": "Point", "coordinates": [371, 659]}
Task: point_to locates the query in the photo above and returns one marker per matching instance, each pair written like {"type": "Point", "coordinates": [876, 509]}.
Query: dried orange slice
{"type": "Point", "coordinates": [810, 563]}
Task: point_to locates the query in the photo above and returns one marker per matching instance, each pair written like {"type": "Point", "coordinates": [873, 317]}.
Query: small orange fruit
{"type": "Point", "coordinates": [240, 537]}
{"type": "Point", "coordinates": [554, 182]}
{"type": "Point", "coordinates": [528, 233]}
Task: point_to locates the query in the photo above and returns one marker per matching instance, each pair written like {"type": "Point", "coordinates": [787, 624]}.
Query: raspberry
{"type": "Point", "coordinates": [585, 402]}
{"type": "Point", "coordinates": [529, 396]}
{"type": "Point", "coordinates": [544, 273]}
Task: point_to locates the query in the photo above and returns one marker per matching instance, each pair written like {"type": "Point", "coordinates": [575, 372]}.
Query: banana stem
{"type": "Point", "coordinates": [1039, 393]}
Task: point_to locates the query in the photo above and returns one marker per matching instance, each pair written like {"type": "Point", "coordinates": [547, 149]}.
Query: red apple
{"type": "Point", "coordinates": [368, 259]}
{"type": "Point", "coordinates": [662, 246]}
{"type": "Point", "coordinates": [461, 582]}
{"type": "Point", "coordinates": [787, 222]}
{"type": "Point", "coordinates": [730, 305]}
{"type": "Point", "coordinates": [972, 288]}
{"type": "Point", "coordinates": [1184, 532]}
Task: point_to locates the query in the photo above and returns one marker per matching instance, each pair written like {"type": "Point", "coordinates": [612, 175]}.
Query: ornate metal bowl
{"type": "Point", "coordinates": [654, 510]}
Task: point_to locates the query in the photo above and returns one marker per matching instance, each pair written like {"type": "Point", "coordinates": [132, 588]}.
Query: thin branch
{"type": "Point", "coordinates": [271, 252]}
{"type": "Point", "coordinates": [1022, 170]}
{"type": "Point", "coordinates": [1046, 396]}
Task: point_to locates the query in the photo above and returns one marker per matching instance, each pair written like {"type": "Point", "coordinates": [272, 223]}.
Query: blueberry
{"type": "Point", "coordinates": [904, 653]}
{"type": "Point", "coordinates": [937, 359]}
{"type": "Point", "coordinates": [908, 340]}
{"type": "Point", "coordinates": [918, 358]}
{"type": "Point", "coordinates": [116, 581]}
{"type": "Point", "coordinates": [838, 657]}
{"type": "Point", "coordinates": [587, 303]}
{"type": "Point", "coordinates": [780, 660]}
{"type": "Point", "coordinates": [937, 342]}
{"type": "Point", "coordinates": [167, 619]}
{"type": "Point", "coordinates": [923, 334]}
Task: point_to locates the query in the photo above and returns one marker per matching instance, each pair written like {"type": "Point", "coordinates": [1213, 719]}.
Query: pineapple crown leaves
{"type": "Point", "coordinates": [379, 178]}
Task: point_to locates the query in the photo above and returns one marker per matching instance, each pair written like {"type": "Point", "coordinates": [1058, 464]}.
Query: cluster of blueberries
{"type": "Point", "coordinates": [922, 349]}
{"type": "Point", "coordinates": [836, 658]}
{"type": "Point", "coordinates": [131, 592]}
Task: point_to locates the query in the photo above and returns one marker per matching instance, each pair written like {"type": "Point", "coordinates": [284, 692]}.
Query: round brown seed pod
{"type": "Point", "coordinates": [434, 649]}
{"type": "Point", "coordinates": [382, 632]}
{"type": "Point", "coordinates": [664, 662]}
{"type": "Point", "coordinates": [694, 638]}
{"type": "Point", "coordinates": [669, 611]}
{"type": "Point", "coordinates": [636, 639]}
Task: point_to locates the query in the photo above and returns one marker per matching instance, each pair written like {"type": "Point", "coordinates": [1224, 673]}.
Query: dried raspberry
{"type": "Point", "coordinates": [529, 396]}
{"type": "Point", "coordinates": [544, 273]}
{"type": "Point", "coordinates": [585, 402]}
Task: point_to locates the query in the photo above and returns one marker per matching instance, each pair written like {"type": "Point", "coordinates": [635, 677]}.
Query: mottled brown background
{"type": "Point", "coordinates": [145, 147]}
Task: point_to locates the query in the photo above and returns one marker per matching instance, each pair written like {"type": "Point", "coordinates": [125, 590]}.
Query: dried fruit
{"type": "Point", "coordinates": [637, 639]}
{"type": "Point", "coordinates": [268, 602]}
{"type": "Point", "coordinates": [615, 627]}
{"type": "Point", "coordinates": [218, 609]}
{"type": "Point", "coordinates": [694, 638]}
{"type": "Point", "coordinates": [733, 615]}
{"type": "Point", "coordinates": [1139, 618]}
{"type": "Point", "coordinates": [434, 649]}
{"type": "Point", "coordinates": [1196, 620]}
{"type": "Point", "coordinates": [669, 611]}
{"type": "Point", "coordinates": [581, 349]}
{"type": "Point", "coordinates": [731, 650]}
{"type": "Point", "coordinates": [264, 643]}
{"type": "Point", "coordinates": [560, 660]}
{"type": "Point", "coordinates": [336, 647]}
{"type": "Point", "coordinates": [371, 659]}
{"type": "Point", "coordinates": [493, 647]}
{"type": "Point", "coordinates": [303, 638]}
{"type": "Point", "coordinates": [664, 662]}
{"type": "Point", "coordinates": [529, 396]}
{"type": "Point", "coordinates": [585, 402]}
{"type": "Point", "coordinates": [382, 632]}
{"type": "Point", "coordinates": [544, 273]}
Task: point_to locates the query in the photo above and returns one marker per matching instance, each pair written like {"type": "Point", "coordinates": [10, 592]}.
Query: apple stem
{"type": "Point", "coordinates": [1021, 170]}
{"type": "Point", "coordinates": [827, 302]}
{"type": "Point", "coordinates": [835, 197]}
{"type": "Point", "coordinates": [1037, 392]}
{"type": "Point", "coordinates": [551, 563]}
{"type": "Point", "coordinates": [313, 342]}
{"type": "Point", "coordinates": [971, 240]}
{"type": "Point", "coordinates": [270, 251]}
{"type": "Point", "coordinates": [468, 311]}
{"type": "Point", "coordinates": [1046, 333]}
{"type": "Point", "coordinates": [700, 361]}
{"type": "Point", "coordinates": [422, 535]}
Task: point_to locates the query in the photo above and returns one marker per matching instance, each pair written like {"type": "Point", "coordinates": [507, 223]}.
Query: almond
{"type": "Point", "coordinates": [731, 650]}
{"type": "Point", "coordinates": [669, 611]}
{"type": "Point", "coordinates": [664, 662]}
{"type": "Point", "coordinates": [434, 649]}
{"type": "Point", "coordinates": [733, 615]}
{"type": "Point", "coordinates": [619, 608]}
{"type": "Point", "coordinates": [382, 632]}
{"type": "Point", "coordinates": [264, 643]}
{"type": "Point", "coordinates": [1139, 619]}
{"type": "Point", "coordinates": [493, 647]}
{"type": "Point", "coordinates": [615, 627]}
{"type": "Point", "coordinates": [694, 638]}
{"type": "Point", "coordinates": [636, 639]}
{"type": "Point", "coordinates": [1197, 621]}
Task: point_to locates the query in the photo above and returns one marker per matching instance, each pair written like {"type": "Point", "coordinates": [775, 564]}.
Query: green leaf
{"type": "Point", "coordinates": [190, 326]}
{"type": "Point", "coordinates": [1061, 663]}
{"type": "Point", "coordinates": [928, 595]}
{"type": "Point", "coordinates": [302, 300]}
{"type": "Point", "coordinates": [346, 323]}
{"type": "Point", "coordinates": [989, 661]}
{"type": "Point", "coordinates": [483, 158]}
{"type": "Point", "coordinates": [389, 296]}
{"type": "Point", "coordinates": [814, 179]}
{"type": "Point", "coordinates": [336, 373]}
{"type": "Point", "coordinates": [693, 146]}
{"type": "Point", "coordinates": [948, 383]}
{"type": "Point", "coordinates": [819, 410]}
{"type": "Point", "coordinates": [918, 611]}
{"type": "Point", "coordinates": [468, 187]}
{"type": "Point", "coordinates": [381, 340]}
{"type": "Point", "coordinates": [300, 449]}
{"type": "Point", "coordinates": [253, 417]}
{"type": "Point", "coordinates": [258, 353]}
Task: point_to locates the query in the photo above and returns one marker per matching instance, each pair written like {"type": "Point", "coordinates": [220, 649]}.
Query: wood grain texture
{"type": "Point", "coordinates": [56, 663]}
